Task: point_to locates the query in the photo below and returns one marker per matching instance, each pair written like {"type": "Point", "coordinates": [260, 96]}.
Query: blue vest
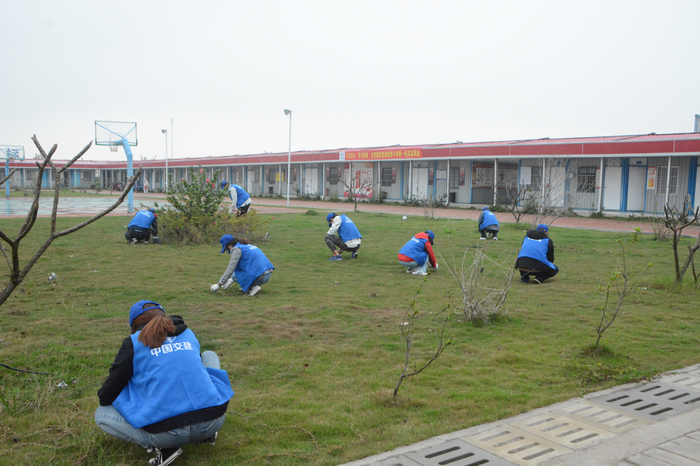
{"type": "Point", "coordinates": [252, 264]}
{"type": "Point", "coordinates": [242, 196]}
{"type": "Point", "coordinates": [489, 219]}
{"type": "Point", "coordinates": [143, 219]}
{"type": "Point", "coordinates": [536, 249]}
{"type": "Point", "coordinates": [348, 230]}
{"type": "Point", "coordinates": [415, 249]}
{"type": "Point", "coordinates": [169, 381]}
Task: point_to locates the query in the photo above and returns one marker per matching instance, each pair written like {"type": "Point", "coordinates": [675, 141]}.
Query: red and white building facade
{"type": "Point", "coordinates": [613, 174]}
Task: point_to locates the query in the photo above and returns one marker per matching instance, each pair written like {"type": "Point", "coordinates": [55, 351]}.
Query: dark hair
{"type": "Point", "coordinates": [157, 327]}
{"type": "Point", "coordinates": [237, 240]}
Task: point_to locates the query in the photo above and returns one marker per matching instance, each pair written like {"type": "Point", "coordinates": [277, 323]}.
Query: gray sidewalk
{"type": "Point", "coordinates": [652, 424]}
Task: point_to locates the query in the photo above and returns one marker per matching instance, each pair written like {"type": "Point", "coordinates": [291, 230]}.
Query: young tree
{"type": "Point", "coordinates": [516, 199]}
{"type": "Point", "coordinates": [551, 199]}
{"type": "Point", "coordinates": [676, 221]}
{"type": "Point", "coordinates": [19, 273]}
{"type": "Point", "coordinates": [358, 188]}
{"type": "Point", "coordinates": [439, 319]}
{"type": "Point", "coordinates": [484, 283]}
{"type": "Point", "coordinates": [621, 283]}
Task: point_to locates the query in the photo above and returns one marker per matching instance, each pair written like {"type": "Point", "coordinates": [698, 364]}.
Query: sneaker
{"type": "Point", "coordinates": [537, 281]}
{"type": "Point", "coordinates": [495, 239]}
{"type": "Point", "coordinates": [482, 238]}
{"type": "Point", "coordinates": [165, 456]}
{"type": "Point", "coordinates": [134, 241]}
{"type": "Point", "coordinates": [145, 242]}
{"type": "Point", "coordinates": [211, 440]}
{"type": "Point", "coordinates": [228, 283]}
{"type": "Point", "coordinates": [419, 272]}
{"type": "Point", "coordinates": [336, 258]}
{"type": "Point", "coordinates": [354, 255]}
{"type": "Point", "coordinates": [253, 290]}
{"type": "Point", "coordinates": [410, 270]}
{"type": "Point", "coordinates": [525, 280]}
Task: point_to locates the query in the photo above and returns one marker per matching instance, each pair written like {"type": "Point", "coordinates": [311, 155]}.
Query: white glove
{"type": "Point", "coordinates": [215, 287]}
{"type": "Point", "coordinates": [228, 283]}
{"type": "Point", "coordinates": [434, 268]}
{"type": "Point", "coordinates": [437, 265]}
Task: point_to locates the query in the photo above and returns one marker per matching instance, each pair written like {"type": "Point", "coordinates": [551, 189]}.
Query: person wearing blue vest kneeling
{"type": "Point", "coordinates": [248, 266]}
{"type": "Point", "coordinates": [418, 253]}
{"type": "Point", "coordinates": [140, 228]}
{"type": "Point", "coordinates": [536, 257]}
{"type": "Point", "coordinates": [488, 224]}
{"type": "Point", "coordinates": [160, 392]}
{"type": "Point", "coordinates": [240, 200]}
{"type": "Point", "coordinates": [348, 239]}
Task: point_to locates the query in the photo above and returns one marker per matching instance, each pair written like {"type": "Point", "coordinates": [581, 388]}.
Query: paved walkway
{"type": "Point", "coordinates": [652, 424]}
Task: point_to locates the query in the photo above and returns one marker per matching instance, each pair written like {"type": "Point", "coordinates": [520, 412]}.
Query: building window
{"type": "Point", "coordinates": [454, 178]}
{"type": "Point", "coordinates": [333, 176]}
{"type": "Point", "coordinates": [586, 179]}
{"type": "Point", "coordinates": [661, 176]}
{"type": "Point", "coordinates": [256, 176]}
{"type": "Point", "coordinates": [386, 176]}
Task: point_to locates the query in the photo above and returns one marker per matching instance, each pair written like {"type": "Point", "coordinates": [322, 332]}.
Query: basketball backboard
{"type": "Point", "coordinates": [11, 152]}
{"type": "Point", "coordinates": [111, 133]}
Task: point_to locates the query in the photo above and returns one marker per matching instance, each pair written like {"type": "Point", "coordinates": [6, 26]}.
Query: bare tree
{"type": "Point", "coordinates": [19, 273]}
{"type": "Point", "coordinates": [7, 177]}
{"type": "Point", "coordinates": [439, 319]}
{"type": "Point", "coordinates": [484, 283]}
{"type": "Point", "coordinates": [515, 199]}
{"type": "Point", "coordinates": [676, 221]}
{"type": "Point", "coordinates": [359, 189]}
{"type": "Point", "coordinates": [621, 283]}
{"type": "Point", "coordinates": [551, 199]}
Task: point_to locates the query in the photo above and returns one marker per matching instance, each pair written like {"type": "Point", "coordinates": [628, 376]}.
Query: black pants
{"type": "Point", "coordinates": [138, 234]}
{"type": "Point", "coordinates": [334, 242]}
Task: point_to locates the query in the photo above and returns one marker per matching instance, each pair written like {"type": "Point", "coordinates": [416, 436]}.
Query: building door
{"type": "Point", "coordinates": [557, 186]}
{"type": "Point", "coordinates": [251, 177]}
{"type": "Point", "coordinates": [419, 188]}
{"type": "Point", "coordinates": [311, 183]}
{"type": "Point", "coordinates": [636, 189]}
{"type": "Point", "coordinates": [612, 187]}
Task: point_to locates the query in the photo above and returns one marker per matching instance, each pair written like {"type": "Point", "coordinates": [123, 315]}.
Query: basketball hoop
{"type": "Point", "coordinates": [114, 147]}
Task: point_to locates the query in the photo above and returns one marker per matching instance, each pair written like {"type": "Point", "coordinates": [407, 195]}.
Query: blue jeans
{"type": "Point", "coordinates": [413, 265]}
{"type": "Point", "coordinates": [261, 280]}
{"type": "Point", "coordinates": [109, 420]}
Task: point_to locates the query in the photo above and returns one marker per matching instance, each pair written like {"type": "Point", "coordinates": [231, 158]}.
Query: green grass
{"type": "Point", "coordinates": [65, 192]}
{"type": "Point", "coordinates": [314, 357]}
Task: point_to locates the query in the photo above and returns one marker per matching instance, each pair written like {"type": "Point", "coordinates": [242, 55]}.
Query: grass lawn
{"type": "Point", "coordinates": [314, 357]}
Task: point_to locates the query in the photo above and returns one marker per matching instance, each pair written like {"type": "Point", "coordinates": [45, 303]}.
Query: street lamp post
{"type": "Point", "coordinates": [165, 131]}
{"type": "Point", "coordinates": [289, 153]}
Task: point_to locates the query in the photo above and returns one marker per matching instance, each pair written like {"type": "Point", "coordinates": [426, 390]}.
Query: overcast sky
{"type": "Point", "coordinates": [354, 73]}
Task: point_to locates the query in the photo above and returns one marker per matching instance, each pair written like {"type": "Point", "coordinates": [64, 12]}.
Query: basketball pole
{"type": "Point", "coordinates": [129, 173]}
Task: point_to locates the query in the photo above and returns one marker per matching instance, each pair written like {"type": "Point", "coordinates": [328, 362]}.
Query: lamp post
{"type": "Point", "coordinates": [165, 131]}
{"type": "Point", "coordinates": [289, 153]}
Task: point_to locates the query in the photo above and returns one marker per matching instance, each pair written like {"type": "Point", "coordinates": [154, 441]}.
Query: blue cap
{"type": "Point", "coordinates": [542, 227]}
{"type": "Point", "coordinates": [430, 234]}
{"type": "Point", "coordinates": [152, 210]}
{"type": "Point", "coordinates": [223, 184]}
{"type": "Point", "coordinates": [485, 208]}
{"type": "Point", "coordinates": [329, 217]}
{"type": "Point", "coordinates": [224, 241]}
{"type": "Point", "coordinates": [140, 307]}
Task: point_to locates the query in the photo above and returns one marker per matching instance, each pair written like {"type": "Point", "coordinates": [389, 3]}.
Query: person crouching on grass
{"type": "Point", "coordinates": [348, 239]}
{"type": "Point", "coordinates": [248, 266]}
{"type": "Point", "coordinates": [160, 392]}
{"type": "Point", "coordinates": [418, 253]}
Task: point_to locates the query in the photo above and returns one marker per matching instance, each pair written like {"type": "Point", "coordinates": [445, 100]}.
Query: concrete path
{"type": "Point", "coordinates": [651, 424]}
{"type": "Point", "coordinates": [83, 206]}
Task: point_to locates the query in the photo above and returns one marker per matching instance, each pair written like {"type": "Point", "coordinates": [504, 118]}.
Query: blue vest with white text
{"type": "Point", "coordinates": [347, 230]}
{"type": "Point", "coordinates": [252, 264]}
{"type": "Point", "coordinates": [169, 381]}
{"type": "Point", "coordinates": [241, 196]}
{"type": "Point", "coordinates": [415, 249]}
{"type": "Point", "coordinates": [536, 249]}
{"type": "Point", "coordinates": [143, 219]}
{"type": "Point", "coordinates": [489, 219]}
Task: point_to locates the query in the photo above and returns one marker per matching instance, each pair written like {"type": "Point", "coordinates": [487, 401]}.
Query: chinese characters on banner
{"type": "Point", "coordinates": [415, 153]}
